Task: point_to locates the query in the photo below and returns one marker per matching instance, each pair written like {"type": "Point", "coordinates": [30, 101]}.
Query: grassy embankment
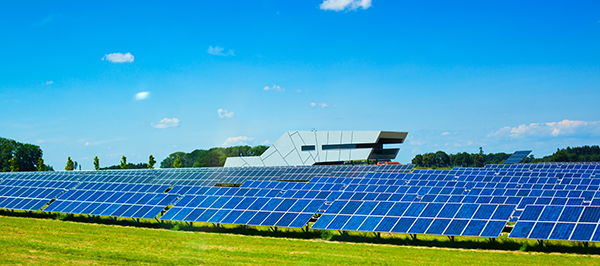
{"type": "Point", "coordinates": [26, 240]}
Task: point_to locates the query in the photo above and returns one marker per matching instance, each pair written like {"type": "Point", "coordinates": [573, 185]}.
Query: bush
{"type": "Point", "coordinates": [525, 247]}
{"type": "Point", "coordinates": [175, 227]}
{"type": "Point", "coordinates": [326, 235]}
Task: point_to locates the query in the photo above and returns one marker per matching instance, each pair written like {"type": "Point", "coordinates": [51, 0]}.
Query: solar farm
{"type": "Point", "coordinates": [523, 202]}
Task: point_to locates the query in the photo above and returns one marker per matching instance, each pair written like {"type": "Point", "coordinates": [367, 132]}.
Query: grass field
{"type": "Point", "coordinates": [26, 240]}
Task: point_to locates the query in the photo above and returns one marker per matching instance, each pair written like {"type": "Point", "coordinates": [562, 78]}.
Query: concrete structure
{"type": "Point", "coordinates": [324, 147]}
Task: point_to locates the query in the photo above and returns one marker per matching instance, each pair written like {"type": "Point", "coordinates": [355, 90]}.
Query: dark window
{"type": "Point", "coordinates": [308, 148]}
{"type": "Point", "coordinates": [339, 146]}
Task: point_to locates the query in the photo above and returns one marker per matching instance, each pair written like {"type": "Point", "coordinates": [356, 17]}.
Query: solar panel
{"type": "Point", "coordinates": [575, 223]}
{"type": "Point", "coordinates": [112, 203]}
{"type": "Point", "coordinates": [517, 157]}
{"type": "Point", "coordinates": [30, 195]}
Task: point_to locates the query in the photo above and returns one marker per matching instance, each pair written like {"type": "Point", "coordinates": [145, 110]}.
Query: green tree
{"type": "Point", "coordinates": [428, 159]}
{"type": "Point", "coordinates": [151, 162]}
{"type": "Point", "coordinates": [14, 165]}
{"type": "Point", "coordinates": [41, 166]}
{"type": "Point", "coordinates": [211, 158]}
{"type": "Point", "coordinates": [479, 160]}
{"type": "Point", "coordinates": [124, 162]}
{"type": "Point", "coordinates": [26, 155]}
{"type": "Point", "coordinates": [70, 165]}
{"type": "Point", "coordinates": [442, 159]}
{"type": "Point", "coordinates": [418, 160]}
{"type": "Point", "coordinates": [177, 162]}
{"type": "Point", "coordinates": [96, 163]}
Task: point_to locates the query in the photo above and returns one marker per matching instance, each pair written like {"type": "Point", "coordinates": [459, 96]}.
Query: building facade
{"type": "Point", "coordinates": [324, 147]}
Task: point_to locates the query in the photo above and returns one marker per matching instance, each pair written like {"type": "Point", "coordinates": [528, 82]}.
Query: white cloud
{"type": "Point", "coordinates": [273, 88]}
{"type": "Point", "coordinates": [565, 128]}
{"type": "Point", "coordinates": [166, 123]}
{"type": "Point", "coordinates": [322, 105]}
{"type": "Point", "coordinates": [224, 113]}
{"type": "Point", "coordinates": [118, 58]}
{"type": "Point", "coordinates": [219, 51]}
{"type": "Point", "coordinates": [339, 5]}
{"type": "Point", "coordinates": [241, 140]}
{"type": "Point", "coordinates": [445, 133]}
{"type": "Point", "coordinates": [39, 141]}
{"type": "Point", "coordinates": [49, 82]}
{"type": "Point", "coordinates": [141, 95]}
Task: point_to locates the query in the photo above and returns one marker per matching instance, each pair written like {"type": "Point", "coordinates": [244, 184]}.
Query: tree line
{"type": "Point", "coordinates": [460, 159]}
{"type": "Point", "coordinates": [16, 156]}
{"type": "Point", "coordinates": [575, 154]}
{"type": "Point", "coordinates": [214, 157]}
{"type": "Point", "coordinates": [464, 159]}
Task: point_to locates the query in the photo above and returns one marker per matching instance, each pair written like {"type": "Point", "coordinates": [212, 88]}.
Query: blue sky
{"type": "Point", "coordinates": [109, 79]}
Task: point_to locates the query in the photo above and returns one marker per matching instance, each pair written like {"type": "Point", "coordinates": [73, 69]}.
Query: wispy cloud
{"type": "Point", "coordinates": [273, 88]}
{"type": "Point", "coordinates": [45, 21]}
{"type": "Point", "coordinates": [321, 105]}
{"type": "Point", "coordinates": [50, 82]}
{"type": "Point", "coordinates": [118, 58]}
{"type": "Point", "coordinates": [141, 95]}
{"type": "Point", "coordinates": [241, 140]}
{"type": "Point", "coordinates": [224, 113]}
{"type": "Point", "coordinates": [339, 5]}
{"type": "Point", "coordinates": [166, 123]}
{"type": "Point", "coordinates": [219, 51]}
{"type": "Point", "coordinates": [565, 128]}
{"type": "Point", "coordinates": [445, 133]}
{"type": "Point", "coordinates": [94, 143]}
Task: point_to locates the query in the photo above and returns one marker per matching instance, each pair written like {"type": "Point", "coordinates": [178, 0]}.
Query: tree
{"type": "Point", "coordinates": [41, 166]}
{"type": "Point", "coordinates": [177, 162]}
{"type": "Point", "coordinates": [151, 162]}
{"type": "Point", "coordinates": [26, 155]}
{"type": "Point", "coordinates": [14, 166]}
{"type": "Point", "coordinates": [418, 160]}
{"type": "Point", "coordinates": [124, 162]}
{"type": "Point", "coordinates": [428, 159]}
{"type": "Point", "coordinates": [70, 165]}
{"type": "Point", "coordinates": [214, 157]}
{"type": "Point", "coordinates": [442, 159]}
{"type": "Point", "coordinates": [96, 163]}
{"type": "Point", "coordinates": [479, 160]}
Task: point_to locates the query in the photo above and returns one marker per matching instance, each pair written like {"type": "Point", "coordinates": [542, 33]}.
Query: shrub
{"type": "Point", "coordinates": [326, 235]}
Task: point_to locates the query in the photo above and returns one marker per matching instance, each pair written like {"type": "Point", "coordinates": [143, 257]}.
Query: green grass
{"type": "Point", "coordinates": [27, 240]}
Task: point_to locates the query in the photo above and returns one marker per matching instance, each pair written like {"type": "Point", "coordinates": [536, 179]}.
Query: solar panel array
{"type": "Point", "coordinates": [559, 201]}
{"type": "Point", "coordinates": [27, 191]}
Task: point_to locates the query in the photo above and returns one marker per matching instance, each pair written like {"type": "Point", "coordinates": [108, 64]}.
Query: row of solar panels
{"type": "Point", "coordinates": [209, 176]}
{"type": "Point", "coordinates": [416, 174]}
{"type": "Point", "coordinates": [532, 166]}
{"type": "Point", "coordinates": [490, 182]}
{"type": "Point", "coordinates": [265, 206]}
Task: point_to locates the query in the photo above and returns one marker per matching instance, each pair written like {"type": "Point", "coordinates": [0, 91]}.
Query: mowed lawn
{"type": "Point", "coordinates": [51, 242]}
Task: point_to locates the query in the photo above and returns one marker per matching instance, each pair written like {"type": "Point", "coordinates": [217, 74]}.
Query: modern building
{"type": "Point", "coordinates": [325, 147]}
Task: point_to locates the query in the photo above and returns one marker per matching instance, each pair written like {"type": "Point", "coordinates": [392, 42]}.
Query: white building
{"type": "Point", "coordinates": [324, 147]}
